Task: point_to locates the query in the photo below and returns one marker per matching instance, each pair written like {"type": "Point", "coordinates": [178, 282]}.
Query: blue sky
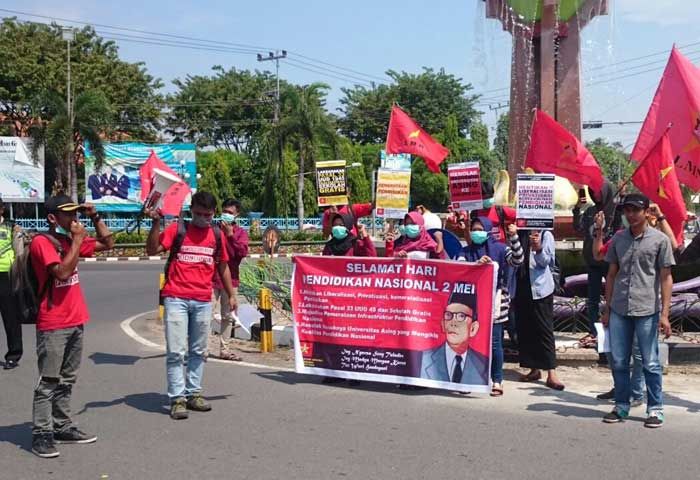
{"type": "Point", "coordinates": [373, 36]}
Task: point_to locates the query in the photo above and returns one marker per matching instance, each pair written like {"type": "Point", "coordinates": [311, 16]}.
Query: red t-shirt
{"type": "Point", "coordinates": [68, 307]}
{"type": "Point", "coordinates": [191, 273]}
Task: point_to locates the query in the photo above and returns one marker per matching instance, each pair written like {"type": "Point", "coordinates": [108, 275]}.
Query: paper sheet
{"type": "Point", "coordinates": [603, 338]}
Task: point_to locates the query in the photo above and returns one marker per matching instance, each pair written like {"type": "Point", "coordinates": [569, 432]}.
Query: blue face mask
{"type": "Point", "coordinates": [479, 236]}
{"type": "Point", "coordinates": [228, 217]}
{"type": "Point", "coordinates": [62, 231]}
{"type": "Point", "coordinates": [488, 203]}
{"type": "Point", "coordinates": [412, 231]}
{"type": "Point", "coordinates": [339, 232]}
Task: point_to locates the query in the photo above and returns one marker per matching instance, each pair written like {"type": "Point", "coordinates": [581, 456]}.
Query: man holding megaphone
{"type": "Point", "coordinates": [196, 253]}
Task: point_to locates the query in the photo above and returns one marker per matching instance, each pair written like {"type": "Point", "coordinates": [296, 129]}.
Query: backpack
{"type": "Point", "coordinates": [25, 284]}
{"type": "Point", "coordinates": [180, 237]}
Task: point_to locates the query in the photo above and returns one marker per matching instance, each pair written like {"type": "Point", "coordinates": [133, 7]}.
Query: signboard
{"type": "Point", "coordinates": [395, 161]}
{"type": "Point", "coordinates": [396, 321]}
{"type": "Point", "coordinates": [20, 179]}
{"type": "Point", "coordinates": [393, 193]}
{"type": "Point", "coordinates": [465, 186]}
{"type": "Point", "coordinates": [331, 183]}
{"type": "Point", "coordinates": [535, 208]}
{"type": "Point", "coordinates": [116, 187]}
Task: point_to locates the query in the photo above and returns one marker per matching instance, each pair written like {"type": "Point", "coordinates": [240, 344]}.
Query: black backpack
{"type": "Point", "coordinates": [177, 244]}
{"type": "Point", "coordinates": [25, 284]}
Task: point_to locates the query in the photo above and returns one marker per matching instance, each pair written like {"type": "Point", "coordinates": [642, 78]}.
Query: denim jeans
{"type": "Point", "coordinates": [623, 330]}
{"type": "Point", "coordinates": [497, 353]}
{"type": "Point", "coordinates": [186, 333]}
{"type": "Point", "coordinates": [595, 288]}
{"type": "Point", "coordinates": [58, 356]}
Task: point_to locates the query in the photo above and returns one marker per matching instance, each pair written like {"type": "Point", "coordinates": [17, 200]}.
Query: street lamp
{"type": "Point", "coordinates": [68, 34]}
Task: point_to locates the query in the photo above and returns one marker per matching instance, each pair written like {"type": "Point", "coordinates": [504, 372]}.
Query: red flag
{"type": "Point", "coordinates": [406, 136]}
{"type": "Point", "coordinates": [553, 149]}
{"type": "Point", "coordinates": [176, 194]}
{"type": "Point", "coordinates": [656, 178]}
{"type": "Point", "coordinates": [677, 102]}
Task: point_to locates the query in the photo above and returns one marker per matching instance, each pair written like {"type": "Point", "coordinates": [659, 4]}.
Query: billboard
{"type": "Point", "coordinates": [116, 187]}
{"type": "Point", "coordinates": [20, 179]}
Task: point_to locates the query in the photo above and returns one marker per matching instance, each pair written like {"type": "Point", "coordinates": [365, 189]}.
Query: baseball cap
{"type": "Point", "coordinates": [635, 200]}
{"type": "Point", "coordinates": [60, 203]}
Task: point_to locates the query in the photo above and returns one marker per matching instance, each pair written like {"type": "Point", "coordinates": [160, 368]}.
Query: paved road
{"type": "Point", "coordinates": [268, 424]}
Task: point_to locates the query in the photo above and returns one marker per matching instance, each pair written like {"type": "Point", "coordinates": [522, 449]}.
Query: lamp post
{"type": "Point", "coordinates": [68, 34]}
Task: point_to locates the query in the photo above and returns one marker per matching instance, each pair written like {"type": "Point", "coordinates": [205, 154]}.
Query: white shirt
{"type": "Point", "coordinates": [451, 356]}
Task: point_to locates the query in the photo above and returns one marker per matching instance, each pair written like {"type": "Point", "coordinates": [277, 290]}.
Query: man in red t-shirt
{"type": "Point", "coordinates": [187, 297]}
{"type": "Point", "coordinates": [60, 320]}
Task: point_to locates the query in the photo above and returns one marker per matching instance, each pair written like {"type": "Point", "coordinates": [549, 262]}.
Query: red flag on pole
{"type": "Point", "coordinates": [406, 136]}
{"type": "Point", "coordinates": [677, 102]}
{"type": "Point", "coordinates": [656, 178]}
{"type": "Point", "coordinates": [553, 149]}
{"type": "Point", "coordinates": [176, 194]}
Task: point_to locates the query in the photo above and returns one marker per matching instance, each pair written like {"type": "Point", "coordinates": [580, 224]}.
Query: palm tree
{"type": "Point", "coordinates": [63, 138]}
{"type": "Point", "coordinates": [306, 125]}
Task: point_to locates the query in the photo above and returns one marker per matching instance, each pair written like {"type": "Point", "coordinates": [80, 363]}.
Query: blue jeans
{"type": "Point", "coordinates": [186, 333]}
{"type": "Point", "coordinates": [497, 353]}
{"type": "Point", "coordinates": [623, 330]}
{"type": "Point", "coordinates": [595, 288]}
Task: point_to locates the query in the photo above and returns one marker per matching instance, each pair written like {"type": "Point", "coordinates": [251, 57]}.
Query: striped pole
{"type": "Point", "coordinates": [161, 308]}
{"type": "Point", "coordinates": [265, 306]}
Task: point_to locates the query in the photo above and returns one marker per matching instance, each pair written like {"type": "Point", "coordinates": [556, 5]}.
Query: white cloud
{"type": "Point", "coordinates": [661, 12]}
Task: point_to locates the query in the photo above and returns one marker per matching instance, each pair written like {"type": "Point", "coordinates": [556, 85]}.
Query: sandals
{"type": "Point", "coordinates": [555, 385]}
{"type": "Point", "coordinates": [497, 391]}
{"type": "Point", "coordinates": [531, 377]}
{"type": "Point", "coordinates": [230, 356]}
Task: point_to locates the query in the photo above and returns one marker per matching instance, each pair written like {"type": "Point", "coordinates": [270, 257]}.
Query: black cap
{"type": "Point", "coordinates": [461, 294]}
{"type": "Point", "coordinates": [635, 200]}
{"type": "Point", "coordinates": [60, 203]}
{"type": "Point", "coordinates": [486, 189]}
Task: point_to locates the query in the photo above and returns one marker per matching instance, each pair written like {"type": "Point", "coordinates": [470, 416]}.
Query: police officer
{"type": "Point", "coordinates": [13, 327]}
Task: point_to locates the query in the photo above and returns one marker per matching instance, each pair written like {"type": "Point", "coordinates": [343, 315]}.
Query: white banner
{"type": "Point", "coordinates": [20, 179]}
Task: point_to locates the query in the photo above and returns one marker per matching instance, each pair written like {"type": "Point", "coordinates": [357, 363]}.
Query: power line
{"type": "Point", "coordinates": [382, 80]}
{"type": "Point", "coordinates": [344, 79]}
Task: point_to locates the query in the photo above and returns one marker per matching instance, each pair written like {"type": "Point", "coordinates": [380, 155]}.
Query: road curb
{"type": "Point", "coordinates": [157, 259]}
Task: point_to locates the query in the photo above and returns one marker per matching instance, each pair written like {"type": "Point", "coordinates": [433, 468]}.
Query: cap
{"type": "Point", "coordinates": [60, 203]}
{"type": "Point", "coordinates": [462, 294]}
{"type": "Point", "coordinates": [635, 200]}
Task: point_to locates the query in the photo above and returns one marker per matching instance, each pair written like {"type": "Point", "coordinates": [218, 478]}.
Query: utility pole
{"type": "Point", "coordinates": [68, 35]}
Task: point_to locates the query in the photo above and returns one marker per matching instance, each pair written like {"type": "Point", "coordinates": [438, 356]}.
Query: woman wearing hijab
{"type": "Point", "coordinates": [604, 201]}
{"type": "Point", "coordinates": [485, 249]}
{"type": "Point", "coordinates": [344, 243]}
{"type": "Point", "coordinates": [534, 301]}
{"type": "Point", "coordinates": [414, 242]}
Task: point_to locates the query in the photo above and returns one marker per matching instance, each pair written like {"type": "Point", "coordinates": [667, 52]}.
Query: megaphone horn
{"type": "Point", "coordinates": [162, 181]}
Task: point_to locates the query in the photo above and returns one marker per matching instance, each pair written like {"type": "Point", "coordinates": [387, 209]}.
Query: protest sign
{"type": "Point", "coordinates": [331, 183]}
{"type": "Point", "coordinates": [395, 161]}
{"type": "Point", "coordinates": [394, 320]}
{"type": "Point", "coordinates": [21, 175]}
{"type": "Point", "coordinates": [393, 192]}
{"type": "Point", "coordinates": [535, 209]}
{"type": "Point", "coordinates": [465, 186]}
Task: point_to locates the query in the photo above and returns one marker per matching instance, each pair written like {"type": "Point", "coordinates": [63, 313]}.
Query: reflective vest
{"type": "Point", "coordinates": [7, 253]}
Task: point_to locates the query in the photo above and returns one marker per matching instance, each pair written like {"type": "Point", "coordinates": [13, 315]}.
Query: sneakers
{"type": "Point", "coordinates": [10, 365]}
{"type": "Point", "coordinates": [74, 435]}
{"type": "Point", "coordinates": [607, 395]}
{"type": "Point", "coordinates": [178, 409]}
{"type": "Point", "coordinates": [43, 446]}
{"type": "Point", "coordinates": [654, 420]}
{"type": "Point", "coordinates": [616, 416]}
{"type": "Point", "coordinates": [197, 403]}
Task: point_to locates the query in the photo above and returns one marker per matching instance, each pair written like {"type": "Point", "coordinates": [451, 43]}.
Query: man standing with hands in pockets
{"type": "Point", "coordinates": [638, 298]}
{"type": "Point", "coordinates": [195, 254]}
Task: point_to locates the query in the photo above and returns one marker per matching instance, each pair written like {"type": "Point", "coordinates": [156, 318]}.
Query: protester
{"type": "Point", "coordinates": [344, 243]}
{"type": "Point", "coordinates": [414, 242]}
{"type": "Point", "coordinates": [8, 307]}
{"type": "Point", "coordinates": [358, 211]}
{"type": "Point", "coordinates": [500, 216]}
{"type": "Point", "coordinates": [61, 319]}
{"type": "Point", "coordinates": [433, 222]}
{"type": "Point", "coordinates": [604, 202]}
{"type": "Point", "coordinates": [534, 302]}
{"type": "Point", "coordinates": [638, 296]}
{"type": "Point", "coordinates": [195, 255]}
{"type": "Point", "coordinates": [237, 248]}
{"type": "Point", "coordinates": [485, 249]}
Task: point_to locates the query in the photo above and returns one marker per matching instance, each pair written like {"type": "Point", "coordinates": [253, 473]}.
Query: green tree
{"type": "Point", "coordinates": [613, 160]}
{"type": "Point", "coordinates": [215, 169]}
{"type": "Point", "coordinates": [430, 97]}
{"type": "Point", "coordinates": [500, 143]}
{"type": "Point", "coordinates": [428, 188]}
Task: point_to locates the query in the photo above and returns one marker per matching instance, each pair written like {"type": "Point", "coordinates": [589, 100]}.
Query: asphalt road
{"type": "Point", "coordinates": [268, 424]}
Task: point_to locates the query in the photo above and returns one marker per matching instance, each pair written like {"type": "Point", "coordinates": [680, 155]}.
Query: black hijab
{"type": "Point", "coordinates": [341, 247]}
{"type": "Point", "coordinates": [606, 204]}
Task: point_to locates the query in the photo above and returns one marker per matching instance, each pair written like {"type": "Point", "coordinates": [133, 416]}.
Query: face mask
{"type": "Point", "coordinates": [228, 217]}
{"type": "Point", "coordinates": [625, 222]}
{"type": "Point", "coordinates": [62, 231]}
{"type": "Point", "coordinates": [488, 203]}
{"type": "Point", "coordinates": [200, 221]}
{"type": "Point", "coordinates": [402, 230]}
{"type": "Point", "coordinates": [479, 236]}
{"type": "Point", "coordinates": [412, 231]}
{"type": "Point", "coordinates": [339, 232]}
